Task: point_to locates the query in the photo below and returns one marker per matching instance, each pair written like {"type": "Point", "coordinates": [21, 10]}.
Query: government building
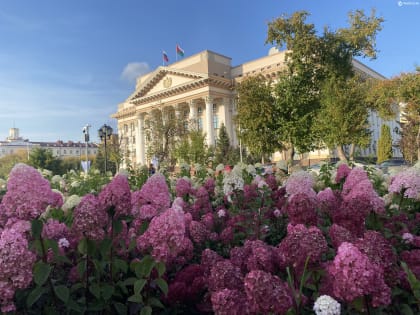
{"type": "Point", "coordinates": [201, 89]}
{"type": "Point", "coordinates": [14, 143]}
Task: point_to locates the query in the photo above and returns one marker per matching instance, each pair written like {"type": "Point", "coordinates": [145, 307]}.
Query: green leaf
{"type": "Point", "coordinates": [62, 292]}
{"type": "Point", "coordinates": [36, 228]}
{"type": "Point", "coordinates": [129, 281]}
{"type": "Point", "coordinates": [41, 272]}
{"type": "Point", "coordinates": [405, 309]}
{"type": "Point", "coordinates": [145, 267]}
{"type": "Point", "coordinates": [135, 298]}
{"type": "Point", "coordinates": [120, 308]}
{"type": "Point", "coordinates": [161, 268]}
{"type": "Point", "coordinates": [91, 247]}
{"type": "Point", "coordinates": [138, 285]}
{"type": "Point", "coordinates": [71, 304]}
{"type": "Point", "coordinates": [81, 268]}
{"type": "Point", "coordinates": [162, 285]}
{"type": "Point", "coordinates": [95, 290]}
{"type": "Point", "coordinates": [34, 295]}
{"type": "Point", "coordinates": [51, 244]}
{"type": "Point", "coordinates": [120, 265]}
{"type": "Point", "coordinates": [82, 246]}
{"type": "Point", "coordinates": [105, 247]}
{"type": "Point", "coordinates": [156, 302]}
{"type": "Point", "coordinates": [117, 226]}
{"type": "Point", "coordinates": [107, 291]}
{"type": "Point", "coordinates": [147, 310]}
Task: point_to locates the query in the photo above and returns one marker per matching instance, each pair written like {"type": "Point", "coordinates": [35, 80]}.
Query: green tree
{"type": "Point", "coordinates": [343, 116]}
{"type": "Point", "coordinates": [192, 148]}
{"type": "Point", "coordinates": [8, 161]}
{"type": "Point", "coordinates": [43, 159]}
{"type": "Point", "coordinates": [401, 94]}
{"type": "Point", "coordinates": [163, 131]}
{"type": "Point", "coordinates": [384, 144]}
{"type": "Point", "coordinates": [311, 59]}
{"type": "Point", "coordinates": [224, 152]}
{"type": "Point", "coordinates": [256, 116]}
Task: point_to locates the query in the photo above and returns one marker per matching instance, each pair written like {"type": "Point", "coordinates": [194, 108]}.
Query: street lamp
{"type": "Point", "coordinates": [104, 133]}
{"type": "Point", "coordinates": [86, 133]}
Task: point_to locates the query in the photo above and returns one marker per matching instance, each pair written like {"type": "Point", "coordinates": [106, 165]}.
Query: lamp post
{"type": "Point", "coordinates": [86, 133]}
{"type": "Point", "coordinates": [105, 133]}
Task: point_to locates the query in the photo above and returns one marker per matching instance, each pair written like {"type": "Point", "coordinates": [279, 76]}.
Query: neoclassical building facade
{"type": "Point", "coordinates": [200, 88]}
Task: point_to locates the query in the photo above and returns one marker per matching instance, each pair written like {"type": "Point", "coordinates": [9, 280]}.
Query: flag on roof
{"type": "Point", "coordinates": [179, 51]}
{"type": "Point", "coordinates": [165, 56]}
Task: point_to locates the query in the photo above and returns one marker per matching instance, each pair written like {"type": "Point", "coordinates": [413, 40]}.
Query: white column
{"type": "Point", "coordinates": [193, 115]}
{"type": "Point", "coordinates": [140, 150]}
{"type": "Point", "coordinates": [227, 119]}
{"type": "Point", "coordinates": [209, 120]}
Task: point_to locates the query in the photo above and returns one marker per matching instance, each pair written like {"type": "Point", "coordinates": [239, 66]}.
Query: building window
{"type": "Point", "coordinates": [200, 123]}
{"type": "Point", "coordinates": [64, 152]}
{"type": "Point", "coordinates": [214, 108]}
{"type": "Point", "coordinates": [134, 139]}
{"type": "Point", "coordinates": [215, 122]}
{"type": "Point", "coordinates": [77, 151]}
{"type": "Point", "coordinates": [199, 110]}
{"type": "Point", "coordinates": [71, 152]}
{"type": "Point", "coordinates": [125, 128]}
{"type": "Point", "coordinates": [132, 126]}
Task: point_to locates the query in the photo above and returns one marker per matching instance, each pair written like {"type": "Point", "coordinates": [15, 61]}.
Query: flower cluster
{"type": "Point", "coordinates": [28, 194]}
{"type": "Point", "coordinates": [266, 293]}
{"type": "Point", "coordinates": [301, 244]}
{"type": "Point", "coordinates": [165, 235]}
{"type": "Point", "coordinates": [300, 182]}
{"type": "Point", "coordinates": [183, 187]}
{"type": "Point", "coordinates": [116, 196]}
{"type": "Point", "coordinates": [16, 263]}
{"type": "Point", "coordinates": [326, 305]}
{"type": "Point", "coordinates": [89, 219]}
{"type": "Point", "coordinates": [354, 275]}
{"type": "Point", "coordinates": [406, 182]}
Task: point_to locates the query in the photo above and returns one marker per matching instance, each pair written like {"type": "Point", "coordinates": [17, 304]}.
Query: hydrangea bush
{"type": "Point", "coordinates": [233, 241]}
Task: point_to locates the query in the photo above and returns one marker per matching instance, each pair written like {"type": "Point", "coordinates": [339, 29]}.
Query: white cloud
{"type": "Point", "coordinates": [133, 70]}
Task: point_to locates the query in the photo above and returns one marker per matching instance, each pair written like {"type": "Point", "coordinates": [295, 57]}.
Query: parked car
{"type": "Point", "coordinates": [393, 166]}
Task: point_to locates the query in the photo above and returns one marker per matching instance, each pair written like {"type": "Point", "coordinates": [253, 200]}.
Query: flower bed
{"type": "Point", "coordinates": [236, 242]}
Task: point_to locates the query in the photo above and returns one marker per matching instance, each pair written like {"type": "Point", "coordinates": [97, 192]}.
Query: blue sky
{"type": "Point", "coordinates": [65, 64]}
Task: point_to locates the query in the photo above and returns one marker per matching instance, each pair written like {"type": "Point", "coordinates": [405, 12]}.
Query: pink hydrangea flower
{"type": "Point", "coordinates": [266, 293]}
{"type": "Point", "coordinates": [354, 275]}
{"type": "Point", "coordinates": [225, 275]}
{"type": "Point", "coordinates": [300, 182]}
{"type": "Point", "coordinates": [183, 187]}
{"type": "Point", "coordinates": [407, 181]}
{"type": "Point", "coordinates": [154, 192]}
{"type": "Point", "coordinates": [254, 255]}
{"type": "Point", "coordinates": [28, 194]}
{"type": "Point", "coordinates": [117, 194]}
{"type": "Point", "coordinates": [300, 244]}
{"type": "Point", "coordinates": [16, 263]}
{"type": "Point", "coordinates": [89, 219]}
{"type": "Point", "coordinates": [301, 209]}
{"type": "Point", "coordinates": [198, 232]}
{"type": "Point", "coordinates": [229, 302]}
{"type": "Point", "coordinates": [343, 171]}
{"type": "Point", "coordinates": [165, 235]}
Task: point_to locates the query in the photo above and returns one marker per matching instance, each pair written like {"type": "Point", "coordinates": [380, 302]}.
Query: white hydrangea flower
{"type": "Point", "coordinates": [184, 166]}
{"type": "Point", "coordinates": [251, 169]}
{"type": "Point", "coordinates": [46, 173]}
{"type": "Point", "coordinates": [197, 167]}
{"type": "Point", "coordinates": [2, 184]}
{"type": "Point", "coordinates": [63, 242]}
{"type": "Point", "coordinates": [220, 167]}
{"type": "Point", "coordinates": [75, 184]}
{"type": "Point", "coordinates": [71, 202]}
{"type": "Point", "coordinates": [326, 305]}
{"type": "Point", "coordinates": [232, 181]}
{"type": "Point", "coordinates": [56, 179]}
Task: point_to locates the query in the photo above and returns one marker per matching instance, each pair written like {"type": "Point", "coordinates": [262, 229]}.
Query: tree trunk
{"type": "Point", "coordinates": [289, 155]}
{"type": "Point", "coordinates": [352, 150]}
{"type": "Point", "coordinates": [340, 153]}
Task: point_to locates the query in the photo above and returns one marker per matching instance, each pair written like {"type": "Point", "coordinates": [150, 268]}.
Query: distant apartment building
{"type": "Point", "coordinates": [202, 89]}
{"type": "Point", "coordinates": [14, 143]}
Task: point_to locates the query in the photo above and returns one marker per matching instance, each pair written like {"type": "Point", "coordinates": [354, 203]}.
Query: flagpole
{"type": "Point", "coordinates": [176, 53]}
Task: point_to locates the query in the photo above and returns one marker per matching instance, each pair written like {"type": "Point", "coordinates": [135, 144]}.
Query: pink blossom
{"type": "Point", "coordinates": [299, 182]}
{"type": "Point", "coordinates": [16, 263]}
{"type": "Point", "coordinates": [28, 194]}
{"type": "Point", "coordinates": [266, 293]}
{"type": "Point", "coordinates": [300, 244]}
{"type": "Point", "coordinates": [407, 181]}
{"type": "Point", "coordinates": [89, 219]}
{"type": "Point", "coordinates": [254, 255]}
{"type": "Point", "coordinates": [53, 229]}
{"type": "Point", "coordinates": [224, 275]}
{"type": "Point", "coordinates": [208, 259]}
{"type": "Point", "coordinates": [355, 176]}
{"type": "Point", "coordinates": [198, 232]}
{"type": "Point", "coordinates": [154, 192]}
{"type": "Point", "coordinates": [354, 275]}
{"type": "Point", "coordinates": [229, 302]}
{"type": "Point", "coordinates": [183, 187]}
{"type": "Point", "coordinates": [165, 235]}
{"type": "Point", "coordinates": [343, 171]}
{"type": "Point", "coordinates": [339, 234]}
{"type": "Point", "coordinates": [116, 195]}
{"type": "Point", "coordinates": [301, 209]}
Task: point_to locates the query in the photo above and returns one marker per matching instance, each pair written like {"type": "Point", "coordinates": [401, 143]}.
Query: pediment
{"type": "Point", "coordinates": [164, 79]}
